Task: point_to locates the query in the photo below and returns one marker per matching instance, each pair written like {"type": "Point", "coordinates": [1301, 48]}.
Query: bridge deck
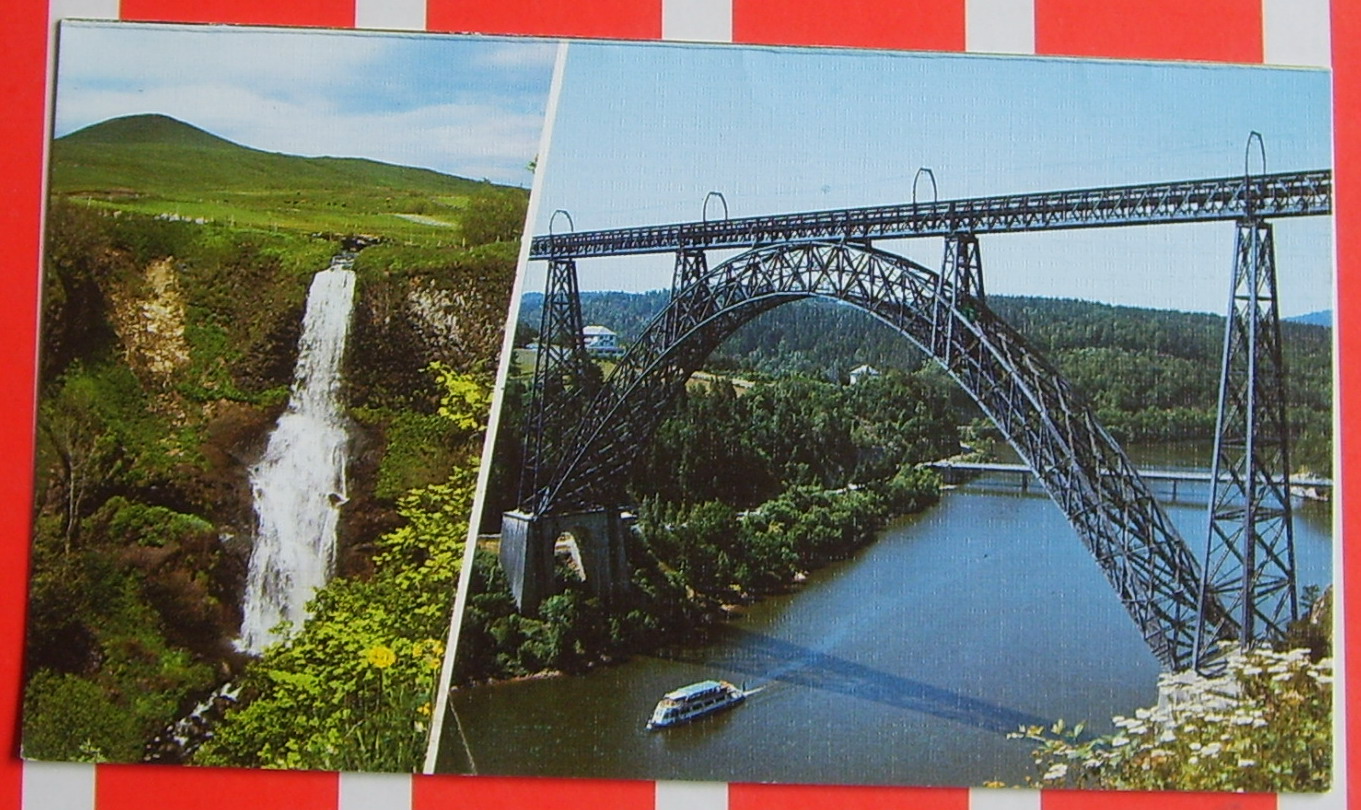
{"type": "Point", "coordinates": [1284, 194]}
{"type": "Point", "coordinates": [1148, 475]}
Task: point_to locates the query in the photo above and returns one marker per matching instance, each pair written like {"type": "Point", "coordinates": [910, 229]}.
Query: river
{"type": "Point", "coordinates": [906, 664]}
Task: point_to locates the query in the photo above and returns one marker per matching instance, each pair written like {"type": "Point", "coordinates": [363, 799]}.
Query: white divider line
{"type": "Point", "coordinates": [691, 796]}
{"type": "Point", "coordinates": [1003, 799]}
{"type": "Point", "coordinates": [374, 791]}
{"type": "Point", "coordinates": [397, 15]}
{"type": "Point", "coordinates": [82, 9]}
{"type": "Point", "coordinates": [1000, 26]}
{"type": "Point", "coordinates": [1297, 32]}
{"type": "Point", "coordinates": [59, 786]}
{"type": "Point", "coordinates": [697, 20]}
{"type": "Point", "coordinates": [1336, 800]}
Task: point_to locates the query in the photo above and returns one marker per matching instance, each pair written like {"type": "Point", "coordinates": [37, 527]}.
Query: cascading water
{"type": "Point", "coordinates": [299, 485]}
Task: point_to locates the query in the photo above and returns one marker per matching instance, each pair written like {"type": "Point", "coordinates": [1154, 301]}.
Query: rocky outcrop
{"type": "Point", "coordinates": [149, 319]}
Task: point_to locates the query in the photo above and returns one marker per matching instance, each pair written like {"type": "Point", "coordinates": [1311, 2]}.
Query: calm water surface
{"type": "Point", "coordinates": [907, 664]}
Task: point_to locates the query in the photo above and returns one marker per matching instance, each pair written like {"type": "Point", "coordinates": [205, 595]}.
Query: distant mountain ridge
{"type": "Point", "coordinates": [149, 128]}
{"type": "Point", "coordinates": [158, 153]}
{"type": "Point", "coordinates": [1322, 317]}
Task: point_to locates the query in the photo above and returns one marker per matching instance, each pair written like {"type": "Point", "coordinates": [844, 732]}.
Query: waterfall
{"type": "Point", "coordinates": [299, 484]}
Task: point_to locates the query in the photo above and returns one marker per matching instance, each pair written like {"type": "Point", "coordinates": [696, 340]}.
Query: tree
{"type": "Point", "coordinates": [494, 215]}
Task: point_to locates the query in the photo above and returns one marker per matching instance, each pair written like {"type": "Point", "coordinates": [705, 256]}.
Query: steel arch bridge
{"type": "Point", "coordinates": [583, 433]}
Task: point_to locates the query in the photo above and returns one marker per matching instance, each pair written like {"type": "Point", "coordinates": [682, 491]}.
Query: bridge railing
{"type": "Point", "coordinates": [1284, 194]}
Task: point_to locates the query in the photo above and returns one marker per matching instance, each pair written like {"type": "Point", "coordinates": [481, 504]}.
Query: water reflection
{"type": "Point", "coordinates": [768, 659]}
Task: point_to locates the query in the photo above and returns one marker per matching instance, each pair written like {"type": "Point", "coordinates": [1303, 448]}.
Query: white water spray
{"type": "Point", "coordinates": [300, 483]}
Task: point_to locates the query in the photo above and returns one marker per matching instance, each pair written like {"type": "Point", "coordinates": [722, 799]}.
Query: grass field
{"type": "Point", "coordinates": [157, 165]}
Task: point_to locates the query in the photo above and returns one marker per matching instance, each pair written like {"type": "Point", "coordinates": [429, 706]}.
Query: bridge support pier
{"type": "Point", "coordinates": [1250, 552]}
{"type": "Point", "coordinates": [528, 544]}
{"type": "Point", "coordinates": [564, 377]}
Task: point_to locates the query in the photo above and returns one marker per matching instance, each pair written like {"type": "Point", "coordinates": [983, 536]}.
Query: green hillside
{"type": "Point", "coordinates": [1152, 375]}
{"type": "Point", "coordinates": [155, 164]}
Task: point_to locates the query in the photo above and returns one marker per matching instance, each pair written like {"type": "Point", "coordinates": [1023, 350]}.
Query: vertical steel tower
{"type": "Point", "coordinates": [1250, 550]}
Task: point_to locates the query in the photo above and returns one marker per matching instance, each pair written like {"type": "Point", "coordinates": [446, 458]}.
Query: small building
{"type": "Point", "coordinates": [601, 342]}
{"type": "Point", "coordinates": [860, 373]}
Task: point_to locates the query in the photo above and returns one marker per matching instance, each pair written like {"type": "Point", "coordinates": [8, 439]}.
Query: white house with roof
{"type": "Point", "coordinates": [601, 341]}
{"type": "Point", "coordinates": [860, 373]}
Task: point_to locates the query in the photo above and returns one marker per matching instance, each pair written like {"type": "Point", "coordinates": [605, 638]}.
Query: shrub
{"type": "Point", "coordinates": [1265, 724]}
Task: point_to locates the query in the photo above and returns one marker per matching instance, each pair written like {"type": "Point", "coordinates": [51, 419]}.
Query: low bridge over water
{"type": "Point", "coordinates": [583, 432]}
{"type": "Point", "coordinates": [958, 469]}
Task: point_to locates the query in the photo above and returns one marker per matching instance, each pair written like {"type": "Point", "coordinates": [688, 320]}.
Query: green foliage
{"type": "Point", "coordinates": [744, 449]}
{"type": "Point", "coordinates": [130, 584]}
{"type": "Point", "coordinates": [127, 683]}
{"type": "Point", "coordinates": [418, 452]}
{"type": "Point", "coordinates": [1313, 631]}
{"type": "Point", "coordinates": [573, 630]}
{"type": "Point", "coordinates": [156, 165]}
{"type": "Point", "coordinates": [353, 689]}
{"type": "Point", "coordinates": [423, 447]}
{"type": "Point", "coordinates": [330, 697]}
{"type": "Point", "coordinates": [688, 561]}
{"type": "Point", "coordinates": [98, 429]}
{"type": "Point", "coordinates": [69, 718]}
{"type": "Point", "coordinates": [1152, 374]}
{"type": "Point", "coordinates": [1264, 725]}
{"type": "Point", "coordinates": [494, 214]}
{"type": "Point", "coordinates": [129, 523]}
{"type": "Point", "coordinates": [463, 401]}
{"type": "Point", "coordinates": [78, 264]}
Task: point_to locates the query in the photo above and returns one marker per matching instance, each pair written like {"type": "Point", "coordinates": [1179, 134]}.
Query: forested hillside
{"type": "Point", "coordinates": [1152, 375]}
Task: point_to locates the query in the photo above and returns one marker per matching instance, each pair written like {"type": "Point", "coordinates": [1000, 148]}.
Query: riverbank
{"type": "Point", "coordinates": [694, 567]}
{"type": "Point", "coordinates": [907, 662]}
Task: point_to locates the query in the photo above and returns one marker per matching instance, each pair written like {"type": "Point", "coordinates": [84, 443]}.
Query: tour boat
{"type": "Point", "coordinates": [694, 701]}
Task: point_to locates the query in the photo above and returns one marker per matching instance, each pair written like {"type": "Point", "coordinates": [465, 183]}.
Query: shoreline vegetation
{"type": "Point", "coordinates": [694, 566]}
{"type": "Point", "coordinates": [738, 495]}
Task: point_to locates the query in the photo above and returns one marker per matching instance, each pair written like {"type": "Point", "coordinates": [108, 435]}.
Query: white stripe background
{"type": "Point", "coordinates": [1295, 33]}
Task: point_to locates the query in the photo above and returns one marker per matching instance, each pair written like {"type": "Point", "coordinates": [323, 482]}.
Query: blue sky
{"type": "Point", "coordinates": [472, 107]}
{"type": "Point", "coordinates": [643, 132]}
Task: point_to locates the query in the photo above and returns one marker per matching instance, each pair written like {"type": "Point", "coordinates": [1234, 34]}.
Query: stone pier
{"type": "Point", "coordinates": [527, 542]}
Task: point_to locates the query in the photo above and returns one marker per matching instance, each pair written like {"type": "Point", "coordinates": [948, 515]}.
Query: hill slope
{"type": "Point", "coordinates": [1152, 375]}
{"type": "Point", "coordinates": [159, 165]}
{"type": "Point", "coordinates": [156, 152]}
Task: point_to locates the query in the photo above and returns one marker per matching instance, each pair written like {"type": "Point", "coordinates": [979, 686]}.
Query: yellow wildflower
{"type": "Point", "coordinates": [380, 656]}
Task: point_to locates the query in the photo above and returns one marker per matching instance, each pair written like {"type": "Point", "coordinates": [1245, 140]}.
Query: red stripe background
{"type": "Point", "coordinates": [933, 25]}
{"type": "Point", "coordinates": [138, 787]}
{"type": "Point", "coordinates": [499, 793]}
{"type": "Point", "coordinates": [624, 19]}
{"type": "Point", "coordinates": [1218, 30]}
{"type": "Point", "coordinates": [1346, 207]}
{"type": "Point", "coordinates": [1212, 30]}
{"type": "Point", "coordinates": [822, 797]}
{"type": "Point", "coordinates": [23, 75]}
{"type": "Point", "coordinates": [329, 13]}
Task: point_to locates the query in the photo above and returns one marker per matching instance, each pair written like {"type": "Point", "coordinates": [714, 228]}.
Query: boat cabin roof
{"type": "Point", "coordinates": [693, 689]}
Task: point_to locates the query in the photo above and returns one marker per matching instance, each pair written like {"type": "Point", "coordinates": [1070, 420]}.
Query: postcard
{"type": "Point", "coordinates": [758, 414]}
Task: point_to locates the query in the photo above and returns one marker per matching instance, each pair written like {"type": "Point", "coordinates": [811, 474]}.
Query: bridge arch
{"type": "Point", "coordinates": [1081, 466]}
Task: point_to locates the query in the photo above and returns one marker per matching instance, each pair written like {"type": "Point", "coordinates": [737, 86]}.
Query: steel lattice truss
{"type": "Point", "coordinates": [563, 375]}
{"type": "Point", "coordinates": [1214, 200]}
{"type": "Point", "coordinates": [1084, 470]}
{"type": "Point", "coordinates": [1250, 553]}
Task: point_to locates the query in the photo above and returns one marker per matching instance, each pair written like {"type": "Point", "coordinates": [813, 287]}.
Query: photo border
{"type": "Point", "coordinates": [1253, 31]}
